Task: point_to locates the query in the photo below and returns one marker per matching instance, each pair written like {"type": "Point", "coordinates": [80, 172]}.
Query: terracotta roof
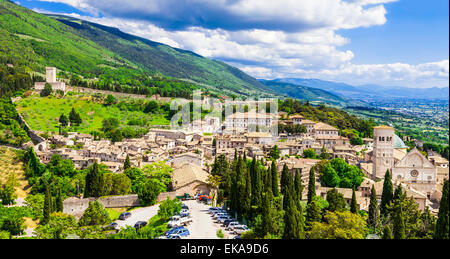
{"type": "Point", "coordinates": [324, 126]}
{"type": "Point", "coordinates": [187, 174]}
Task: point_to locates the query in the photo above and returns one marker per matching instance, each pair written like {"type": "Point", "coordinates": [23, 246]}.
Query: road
{"type": "Point", "coordinates": [141, 214]}
{"type": "Point", "coordinates": [202, 226]}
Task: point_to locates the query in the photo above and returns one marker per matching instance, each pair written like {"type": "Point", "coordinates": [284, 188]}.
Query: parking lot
{"type": "Point", "coordinates": [201, 227]}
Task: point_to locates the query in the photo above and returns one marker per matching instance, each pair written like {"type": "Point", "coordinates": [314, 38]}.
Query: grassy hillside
{"type": "Point", "coordinates": [42, 114]}
{"type": "Point", "coordinates": [99, 53]}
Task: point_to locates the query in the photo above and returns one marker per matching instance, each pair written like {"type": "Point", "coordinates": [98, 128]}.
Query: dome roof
{"type": "Point", "coordinates": [398, 142]}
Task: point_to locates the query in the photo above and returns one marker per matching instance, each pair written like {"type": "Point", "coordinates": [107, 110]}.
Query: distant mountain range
{"type": "Point", "coordinates": [310, 93]}
{"type": "Point", "coordinates": [370, 91]}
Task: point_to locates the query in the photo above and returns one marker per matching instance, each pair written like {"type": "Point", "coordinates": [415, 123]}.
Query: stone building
{"type": "Point", "coordinates": [383, 151]}
{"type": "Point", "coordinates": [50, 78]}
{"type": "Point", "coordinates": [416, 171]}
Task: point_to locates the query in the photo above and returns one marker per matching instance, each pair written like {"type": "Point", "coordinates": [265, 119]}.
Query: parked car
{"type": "Point", "coordinates": [227, 221]}
{"type": "Point", "coordinates": [124, 215]}
{"type": "Point", "coordinates": [222, 214]}
{"type": "Point", "coordinates": [232, 225]}
{"type": "Point", "coordinates": [184, 206]}
{"type": "Point", "coordinates": [212, 209]}
{"type": "Point", "coordinates": [176, 221]}
{"type": "Point", "coordinates": [237, 237]}
{"type": "Point", "coordinates": [184, 215]}
{"type": "Point", "coordinates": [221, 220]}
{"type": "Point", "coordinates": [172, 230]}
{"type": "Point", "coordinates": [184, 211]}
{"type": "Point", "coordinates": [183, 232]}
{"type": "Point", "coordinates": [240, 229]}
{"type": "Point", "coordinates": [114, 225]}
{"type": "Point", "coordinates": [140, 224]}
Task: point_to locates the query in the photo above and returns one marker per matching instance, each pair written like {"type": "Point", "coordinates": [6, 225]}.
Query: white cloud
{"type": "Point", "coordinates": [267, 39]}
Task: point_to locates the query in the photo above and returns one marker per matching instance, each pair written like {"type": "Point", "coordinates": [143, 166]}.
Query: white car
{"type": "Point", "coordinates": [240, 229]}
{"type": "Point", "coordinates": [232, 225]}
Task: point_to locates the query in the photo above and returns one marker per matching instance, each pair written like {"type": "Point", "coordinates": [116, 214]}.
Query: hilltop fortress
{"type": "Point", "coordinates": [50, 78]}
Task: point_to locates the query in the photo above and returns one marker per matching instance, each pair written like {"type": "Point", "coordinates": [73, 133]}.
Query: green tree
{"type": "Point", "coordinates": [442, 224]}
{"type": "Point", "coordinates": [47, 90]}
{"type": "Point", "coordinates": [274, 152]}
{"type": "Point", "coordinates": [274, 172]}
{"type": "Point", "coordinates": [148, 193]}
{"type": "Point", "coordinates": [311, 184]}
{"type": "Point", "coordinates": [151, 107]}
{"type": "Point", "coordinates": [47, 206]}
{"type": "Point", "coordinates": [373, 209]}
{"type": "Point", "coordinates": [298, 187]}
{"type": "Point", "coordinates": [335, 200]}
{"type": "Point", "coordinates": [354, 204]}
{"type": "Point", "coordinates": [339, 225]}
{"type": "Point", "coordinates": [94, 182]}
{"type": "Point", "coordinates": [168, 208]}
{"type": "Point", "coordinates": [399, 223]}
{"type": "Point", "coordinates": [313, 213]}
{"type": "Point", "coordinates": [95, 214]}
{"type": "Point", "coordinates": [293, 219]}
{"type": "Point", "coordinates": [309, 153]}
{"type": "Point", "coordinates": [63, 120]}
{"type": "Point", "coordinates": [329, 176]}
{"type": "Point", "coordinates": [387, 233]}
{"type": "Point", "coordinates": [110, 99]}
{"type": "Point", "coordinates": [59, 201]}
{"type": "Point", "coordinates": [59, 226]}
{"type": "Point", "coordinates": [127, 163]}
{"type": "Point", "coordinates": [387, 195]}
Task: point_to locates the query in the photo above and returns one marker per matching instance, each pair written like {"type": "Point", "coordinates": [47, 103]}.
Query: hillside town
{"type": "Point", "coordinates": [191, 154]}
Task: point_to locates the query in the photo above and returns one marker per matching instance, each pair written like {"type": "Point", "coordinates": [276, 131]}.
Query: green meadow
{"type": "Point", "coordinates": [42, 113]}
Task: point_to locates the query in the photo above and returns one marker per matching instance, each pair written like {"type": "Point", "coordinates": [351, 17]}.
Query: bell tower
{"type": "Point", "coordinates": [383, 151]}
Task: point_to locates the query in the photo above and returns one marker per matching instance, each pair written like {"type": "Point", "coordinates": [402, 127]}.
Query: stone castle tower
{"type": "Point", "coordinates": [383, 151]}
{"type": "Point", "coordinates": [50, 75]}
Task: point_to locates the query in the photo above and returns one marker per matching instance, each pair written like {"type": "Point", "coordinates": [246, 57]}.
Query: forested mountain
{"type": "Point", "coordinates": [100, 53]}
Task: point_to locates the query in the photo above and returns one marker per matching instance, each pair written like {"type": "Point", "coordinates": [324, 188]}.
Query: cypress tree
{"type": "Point", "coordinates": [47, 206]}
{"type": "Point", "coordinates": [399, 223]}
{"type": "Point", "coordinates": [247, 198]}
{"type": "Point", "coordinates": [387, 233]}
{"type": "Point", "coordinates": [266, 213]}
{"type": "Point", "coordinates": [293, 219]}
{"type": "Point", "coordinates": [59, 201]}
{"type": "Point", "coordinates": [354, 204]}
{"type": "Point", "coordinates": [94, 182]}
{"type": "Point", "coordinates": [387, 195]}
{"type": "Point", "coordinates": [298, 188]}
{"type": "Point", "coordinates": [311, 185]}
{"type": "Point", "coordinates": [335, 200]}
{"type": "Point", "coordinates": [442, 224]}
{"type": "Point", "coordinates": [288, 188]}
{"type": "Point", "coordinates": [313, 212]}
{"type": "Point", "coordinates": [127, 163]}
{"type": "Point", "coordinates": [256, 184]}
{"type": "Point", "coordinates": [274, 173]}
{"type": "Point", "coordinates": [373, 209]}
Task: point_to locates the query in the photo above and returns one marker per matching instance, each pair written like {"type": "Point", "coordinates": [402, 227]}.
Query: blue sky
{"type": "Point", "coordinates": [386, 42]}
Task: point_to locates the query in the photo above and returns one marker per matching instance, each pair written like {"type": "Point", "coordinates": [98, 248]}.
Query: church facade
{"type": "Point", "coordinates": [416, 171]}
{"type": "Point", "coordinates": [412, 169]}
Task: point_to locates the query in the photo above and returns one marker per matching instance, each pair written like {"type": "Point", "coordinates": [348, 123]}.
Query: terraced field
{"type": "Point", "coordinates": [10, 164]}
